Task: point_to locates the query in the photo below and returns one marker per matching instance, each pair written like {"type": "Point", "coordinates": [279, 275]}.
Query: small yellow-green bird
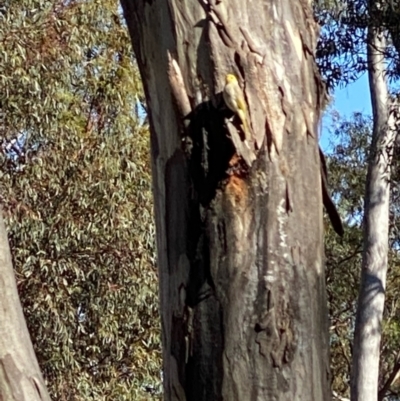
{"type": "Point", "coordinates": [234, 99]}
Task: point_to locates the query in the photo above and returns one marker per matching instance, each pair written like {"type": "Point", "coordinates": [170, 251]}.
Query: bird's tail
{"type": "Point", "coordinates": [245, 125]}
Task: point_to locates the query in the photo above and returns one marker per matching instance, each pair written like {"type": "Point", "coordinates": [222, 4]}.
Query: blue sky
{"type": "Point", "coordinates": [352, 98]}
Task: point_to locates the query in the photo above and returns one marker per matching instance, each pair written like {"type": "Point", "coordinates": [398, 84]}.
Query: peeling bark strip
{"type": "Point", "coordinates": [239, 228]}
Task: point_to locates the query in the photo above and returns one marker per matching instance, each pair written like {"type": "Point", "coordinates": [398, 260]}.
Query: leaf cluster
{"type": "Point", "coordinates": [341, 50]}
{"type": "Point", "coordinates": [75, 185]}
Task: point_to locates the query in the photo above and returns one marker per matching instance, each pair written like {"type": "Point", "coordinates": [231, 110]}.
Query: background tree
{"type": "Point", "coordinates": [20, 374]}
{"type": "Point", "coordinates": [363, 26]}
{"type": "Point", "coordinates": [367, 331]}
{"type": "Point", "coordinates": [347, 164]}
{"type": "Point", "coordinates": [75, 187]}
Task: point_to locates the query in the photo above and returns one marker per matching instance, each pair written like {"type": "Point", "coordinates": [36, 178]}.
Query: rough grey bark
{"type": "Point", "coordinates": [239, 226]}
{"type": "Point", "coordinates": [20, 376]}
{"type": "Point", "coordinates": [367, 335]}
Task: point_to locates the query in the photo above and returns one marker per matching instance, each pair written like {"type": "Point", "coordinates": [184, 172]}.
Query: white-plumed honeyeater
{"type": "Point", "coordinates": [234, 99]}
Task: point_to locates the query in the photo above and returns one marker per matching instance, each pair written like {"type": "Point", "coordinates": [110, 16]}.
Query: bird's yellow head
{"type": "Point", "coordinates": [230, 78]}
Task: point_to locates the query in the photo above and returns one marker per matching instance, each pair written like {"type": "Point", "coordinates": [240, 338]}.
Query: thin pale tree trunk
{"type": "Point", "coordinates": [239, 223]}
{"type": "Point", "coordinates": [20, 376]}
{"type": "Point", "coordinates": [367, 336]}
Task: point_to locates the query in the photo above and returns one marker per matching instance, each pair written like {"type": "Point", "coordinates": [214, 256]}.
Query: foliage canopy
{"type": "Point", "coordinates": [75, 185]}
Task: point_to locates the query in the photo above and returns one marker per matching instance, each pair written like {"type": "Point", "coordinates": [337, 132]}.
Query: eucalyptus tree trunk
{"type": "Point", "coordinates": [20, 376]}
{"type": "Point", "coordinates": [367, 336]}
{"type": "Point", "coordinates": [239, 222]}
